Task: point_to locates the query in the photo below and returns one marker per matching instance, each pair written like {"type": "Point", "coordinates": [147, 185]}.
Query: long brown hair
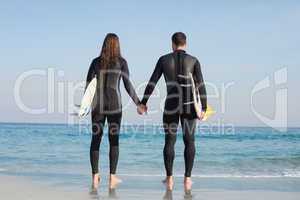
{"type": "Point", "coordinates": [110, 52]}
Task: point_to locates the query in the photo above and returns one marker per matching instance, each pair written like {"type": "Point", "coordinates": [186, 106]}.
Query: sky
{"type": "Point", "coordinates": [238, 43]}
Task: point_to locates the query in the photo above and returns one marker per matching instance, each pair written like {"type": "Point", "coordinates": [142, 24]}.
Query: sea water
{"type": "Point", "coordinates": [59, 153]}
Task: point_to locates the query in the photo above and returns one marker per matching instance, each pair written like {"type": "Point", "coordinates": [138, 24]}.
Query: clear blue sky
{"type": "Point", "coordinates": [239, 41]}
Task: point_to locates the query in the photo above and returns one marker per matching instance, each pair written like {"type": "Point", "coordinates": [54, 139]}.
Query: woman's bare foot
{"type": "Point", "coordinates": [96, 180]}
{"type": "Point", "coordinates": [169, 182]}
{"type": "Point", "coordinates": [114, 181]}
{"type": "Point", "coordinates": [168, 195]}
{"type": "Point", "coordinates": [187, 183]}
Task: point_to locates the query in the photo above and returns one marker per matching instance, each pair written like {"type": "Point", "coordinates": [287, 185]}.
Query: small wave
{"type": "Point", "coordinates": [287, 175]}
{"type": "Point", "coordinates": [2, 170]}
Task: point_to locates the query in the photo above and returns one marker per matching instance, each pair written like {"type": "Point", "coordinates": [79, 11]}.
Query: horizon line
{"type": "Point", "coordinates": [157, 124]}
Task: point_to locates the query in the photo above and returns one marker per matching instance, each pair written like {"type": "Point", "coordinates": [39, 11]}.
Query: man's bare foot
{"type": "Point", "coordinates": [94, 191]}
{"type": "Point", "coordinates": [169, 182]}
{"type": "Point", "coordinates": [96, 180]}
{"type": "Point", "coordinates": [114, 181]}
{"type": "Point", "coordinates": [187, 183]}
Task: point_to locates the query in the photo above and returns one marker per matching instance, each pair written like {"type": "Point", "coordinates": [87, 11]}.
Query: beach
{"type": "Point", "coordinates": [149, 92]}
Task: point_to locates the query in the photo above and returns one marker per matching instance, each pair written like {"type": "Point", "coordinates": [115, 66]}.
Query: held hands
{"type": "Point", "coordinates": [141, 109]}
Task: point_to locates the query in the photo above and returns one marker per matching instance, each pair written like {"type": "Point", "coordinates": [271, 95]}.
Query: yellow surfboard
{"type": "Point", "coordinates": [209, 112]}
{"type": "Point", "coordinates": [197, 104]}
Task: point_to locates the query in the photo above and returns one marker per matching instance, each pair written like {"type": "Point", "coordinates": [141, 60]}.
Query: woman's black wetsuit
{"type": "Point", "coordinates": [176, 68]}
{"type": "Point", "coordinates": [107, 105]}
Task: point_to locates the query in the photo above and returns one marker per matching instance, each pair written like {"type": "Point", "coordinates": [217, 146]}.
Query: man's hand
{"type": "Point", "coordinates": [141, 109]}
{"type": "Point", "coordinates": [201, 115]}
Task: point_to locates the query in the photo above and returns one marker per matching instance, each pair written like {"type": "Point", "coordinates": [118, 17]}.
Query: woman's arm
{"type": "Point", "coordinates": [128, 85]}
{"type": "Point", "coordinates": [200, 85]}
{"type": "Point", "coordinates": [91, 74]}
{"type": "Point", "coordinates": [152, 82]}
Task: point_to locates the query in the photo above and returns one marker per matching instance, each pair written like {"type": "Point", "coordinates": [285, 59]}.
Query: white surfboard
{"type": "Point", "coordinates": [87, 98]}
{"type": "Point", "coordinates": [197, 103]}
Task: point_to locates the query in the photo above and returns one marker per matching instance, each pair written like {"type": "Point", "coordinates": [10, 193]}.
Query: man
{"type": "Point", "coordinates": [176, 68]}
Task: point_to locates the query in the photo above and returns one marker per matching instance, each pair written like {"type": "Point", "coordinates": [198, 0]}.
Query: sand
{"type": "Point", "coordinates": [16, 188]}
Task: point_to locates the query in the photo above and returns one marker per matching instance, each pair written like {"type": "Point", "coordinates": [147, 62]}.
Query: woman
{"type": "Point", "coordinates": [109, 68]}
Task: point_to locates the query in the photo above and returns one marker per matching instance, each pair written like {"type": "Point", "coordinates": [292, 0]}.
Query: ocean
{"type": "Point", "coordinates": [58, 154]}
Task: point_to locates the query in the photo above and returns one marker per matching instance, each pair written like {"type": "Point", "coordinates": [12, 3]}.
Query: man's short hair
{"type": "Point", "coordinates": [179, 39]}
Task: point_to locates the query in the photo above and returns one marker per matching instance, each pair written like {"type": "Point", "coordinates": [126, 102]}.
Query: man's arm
{"type": "Point", "coordinates": [200, 85]}
{"type": "Point", "coordinates": [152, 82]}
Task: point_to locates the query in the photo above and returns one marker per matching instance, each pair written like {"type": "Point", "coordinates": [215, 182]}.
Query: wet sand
{"type": "Point", "coordinates": [15, 188]}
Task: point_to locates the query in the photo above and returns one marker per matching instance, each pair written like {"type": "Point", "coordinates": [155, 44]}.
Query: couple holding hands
{"type": "Point", "coordinates": [182, 74]}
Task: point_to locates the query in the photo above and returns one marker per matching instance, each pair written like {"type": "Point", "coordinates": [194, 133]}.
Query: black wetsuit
{"type": "Point", "coordinates": [176, 68]}
{"type": "Point", "coordinates": [107, 105]}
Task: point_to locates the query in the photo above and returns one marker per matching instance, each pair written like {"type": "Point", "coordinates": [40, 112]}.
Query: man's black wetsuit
{"type": "Point", "coordinates": [107, 105]}
{"type": "Point", "coordinates": [176, 68]}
